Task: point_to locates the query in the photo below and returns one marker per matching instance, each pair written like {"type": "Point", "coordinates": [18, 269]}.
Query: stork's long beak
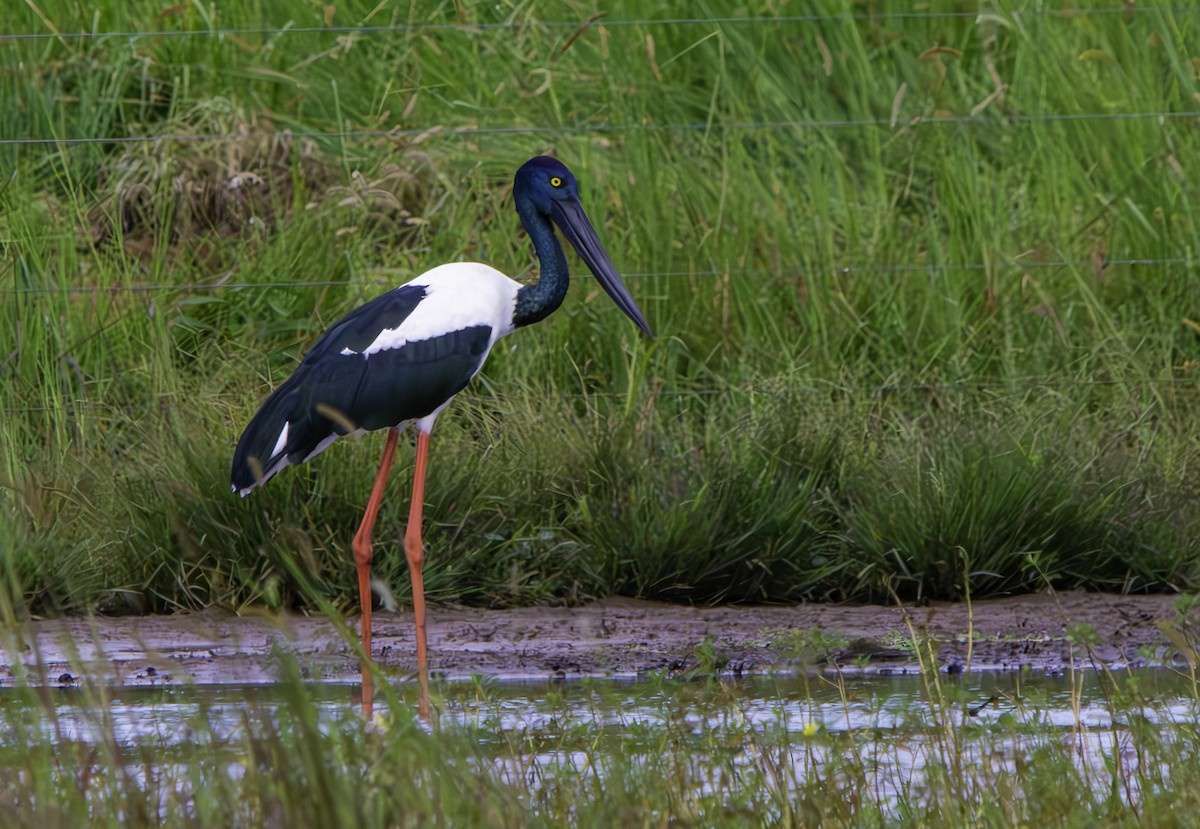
{"type": "Point", "coordinates": [569, 216]}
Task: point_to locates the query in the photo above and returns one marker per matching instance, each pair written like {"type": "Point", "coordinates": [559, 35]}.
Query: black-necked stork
{"type": "Point", "coordinates": [403, 356]}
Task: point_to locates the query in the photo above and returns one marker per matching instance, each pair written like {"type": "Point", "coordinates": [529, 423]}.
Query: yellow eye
{"type": "Point", "coordinates": [555, 181]}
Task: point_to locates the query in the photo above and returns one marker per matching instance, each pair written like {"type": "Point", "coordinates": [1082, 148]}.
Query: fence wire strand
{"type": "Point", "coordinates": [606, 129]}
{"type": "Point", "coordinates": [1128, 10]}
{"type": "Point", "coordinates": [1016, 385]}
{"type": "Point", "coordinates": [740, 273]}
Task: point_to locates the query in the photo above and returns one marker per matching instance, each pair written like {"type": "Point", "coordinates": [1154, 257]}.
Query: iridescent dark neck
{"type": "Point", "coordinates": [537, 301]}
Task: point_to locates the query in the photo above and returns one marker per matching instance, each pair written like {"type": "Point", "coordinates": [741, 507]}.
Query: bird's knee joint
{"type": "Point", "coordinates": [415, 551]}
{"type": "Point", "coordinates": [362, 552]}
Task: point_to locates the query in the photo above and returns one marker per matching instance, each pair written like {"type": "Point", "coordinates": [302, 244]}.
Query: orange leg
{"type": "Point", "coordinates": [414, 549]}
{"type": "Point", "coordinates": [362, 558]}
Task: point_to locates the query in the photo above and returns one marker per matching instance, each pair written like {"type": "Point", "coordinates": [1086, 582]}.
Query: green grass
{"type": "Point", "coordinates": [890, 359]}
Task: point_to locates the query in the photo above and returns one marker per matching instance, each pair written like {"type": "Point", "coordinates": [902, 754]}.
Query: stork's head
{"type": "Point", "coordinates": [544, 180]}
{"type": "Point", "coordinates": [549, 187]}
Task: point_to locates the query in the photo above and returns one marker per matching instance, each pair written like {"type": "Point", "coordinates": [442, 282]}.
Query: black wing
{"type": "Point", "coordinates": [337, 390]}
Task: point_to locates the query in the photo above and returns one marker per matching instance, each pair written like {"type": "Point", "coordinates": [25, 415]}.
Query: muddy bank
{"type": "Point", "coordinates": [616, 637]}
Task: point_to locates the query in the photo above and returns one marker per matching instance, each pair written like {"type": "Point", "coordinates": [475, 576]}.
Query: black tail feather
{"type": "Point", "coordinates": [259, 454]}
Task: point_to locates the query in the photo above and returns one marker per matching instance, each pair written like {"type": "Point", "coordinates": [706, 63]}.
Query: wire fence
{"type": "Point", "coordinates": [986, 117]}
{"type": "Point", "coordinates": [1128, 10]}
{"type": "Point", "coordinates": [739, 273]}
{"type": "Point", "coordinates": [601, 129]}
{"type": "Point", "coordinates": [1185, 383]}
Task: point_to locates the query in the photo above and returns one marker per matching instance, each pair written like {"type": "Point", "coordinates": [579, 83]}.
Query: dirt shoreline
{"type": "Point", "coordinates": [614, 638]}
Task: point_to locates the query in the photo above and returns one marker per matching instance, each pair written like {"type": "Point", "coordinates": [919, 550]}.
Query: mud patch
{"type": "Point", "coordinates": [616, 637]}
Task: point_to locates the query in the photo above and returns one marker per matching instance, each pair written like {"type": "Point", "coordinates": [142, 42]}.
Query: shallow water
{"type": "Point", "coordinates": [534, 730]}
{"type": "Point", "coordinates": [167, 716]}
